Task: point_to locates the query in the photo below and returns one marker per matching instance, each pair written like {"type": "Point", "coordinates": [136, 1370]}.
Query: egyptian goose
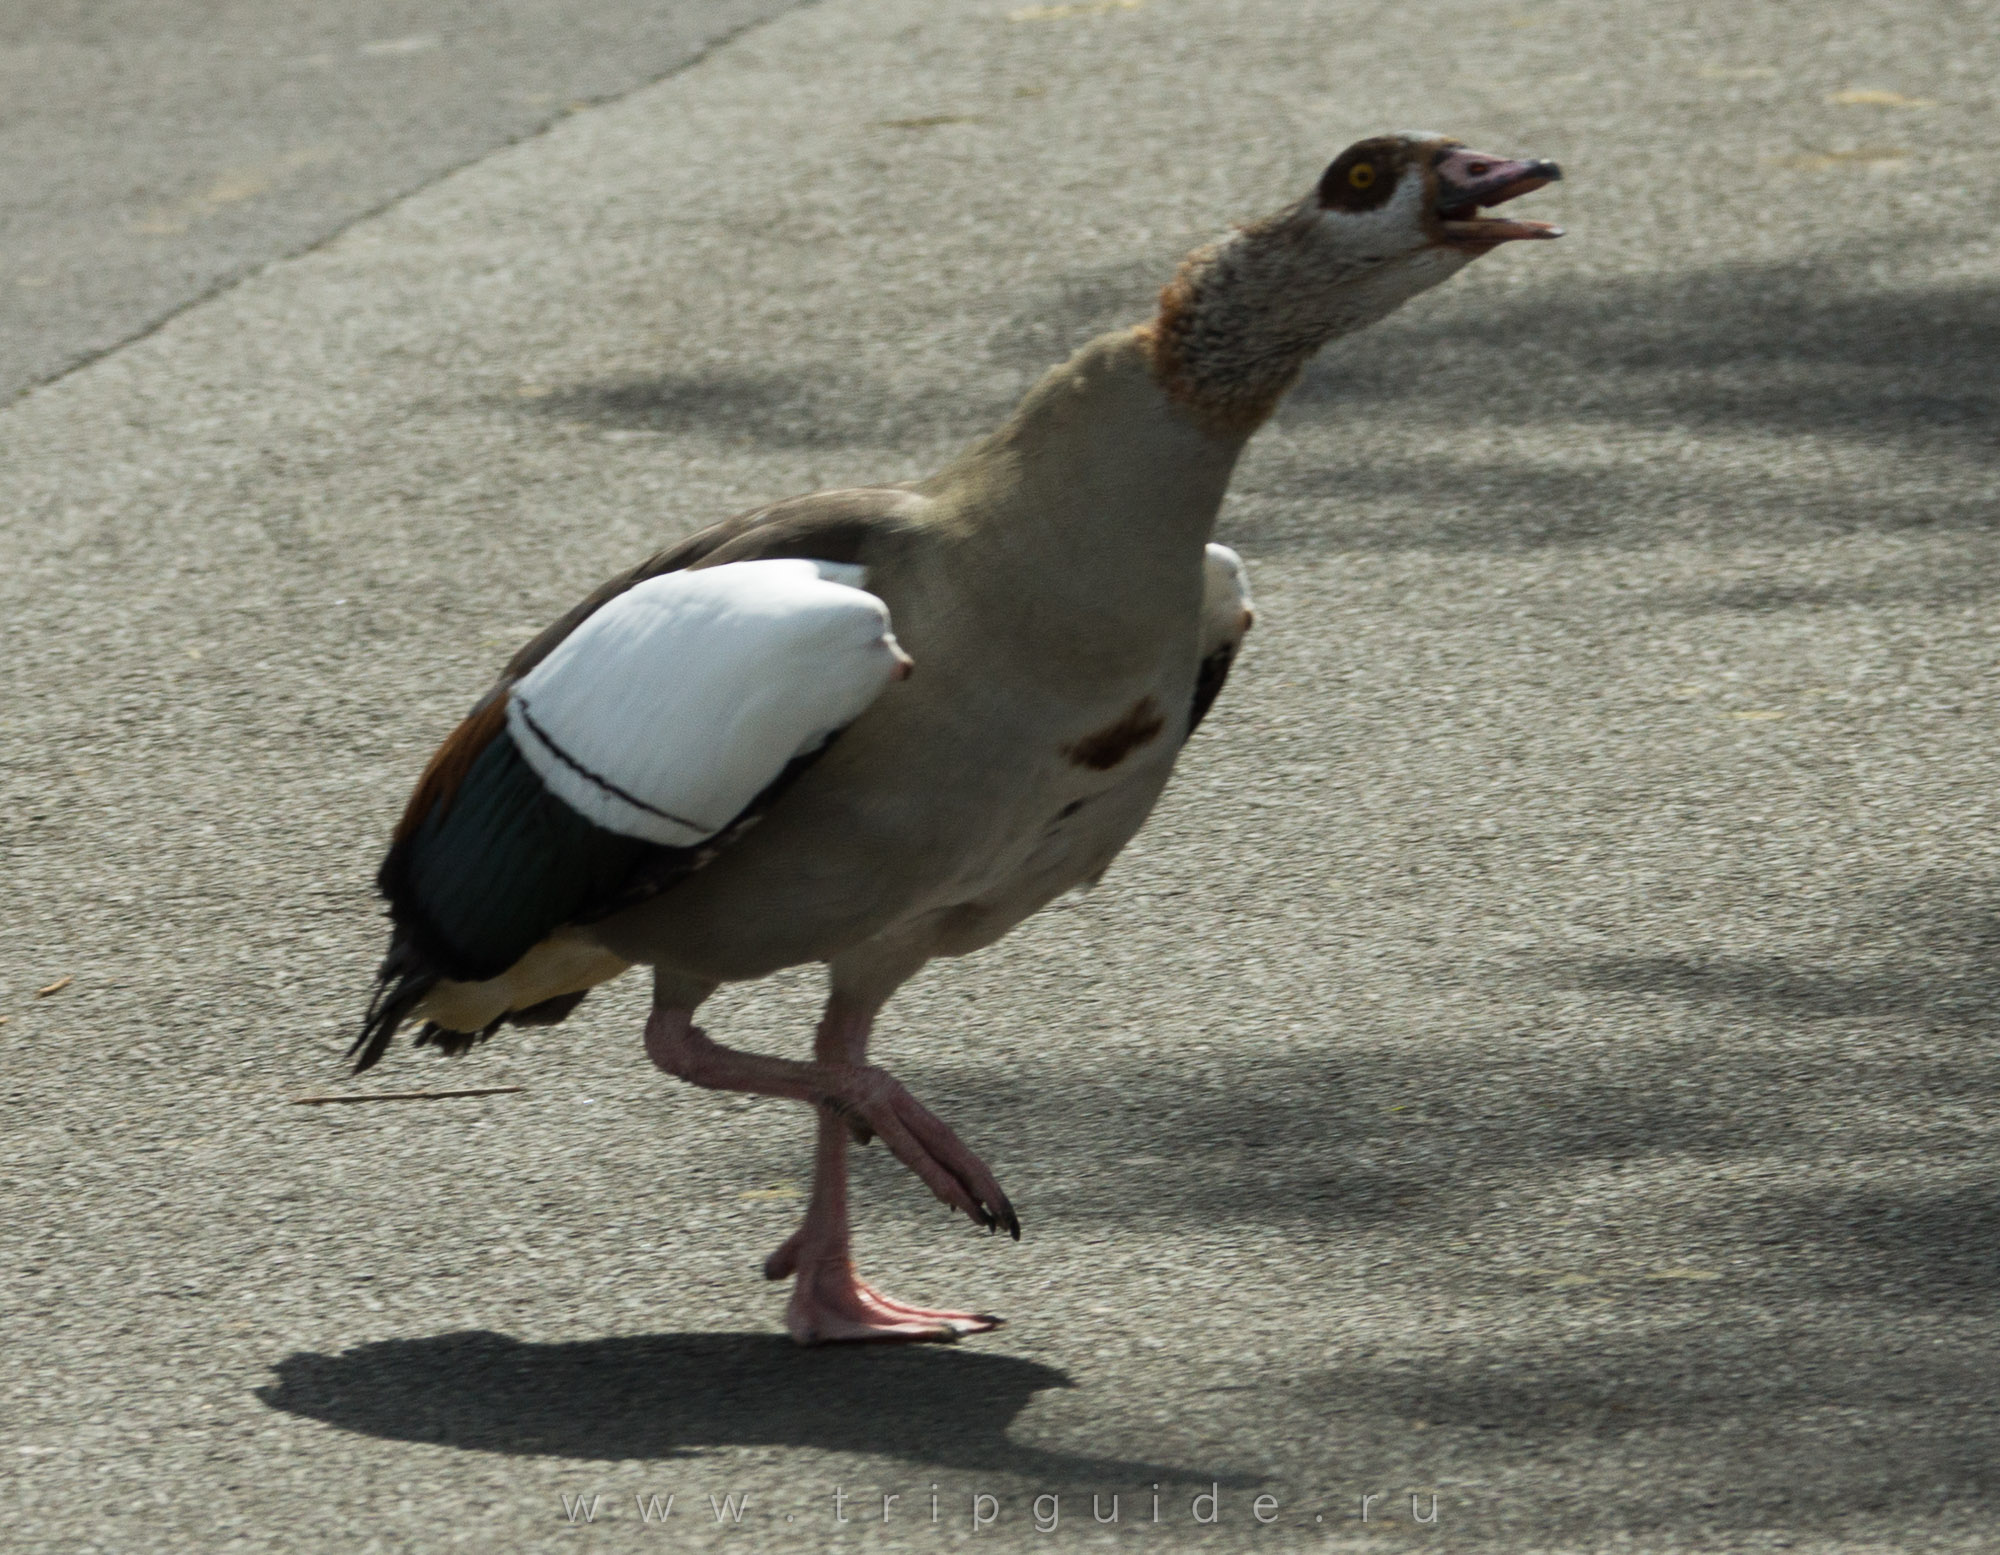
{"type": "Point", "coordinates": [726, 761]}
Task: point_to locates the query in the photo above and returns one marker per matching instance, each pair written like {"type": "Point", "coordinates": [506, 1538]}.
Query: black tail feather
{"type": "Point", "coordinates": [400, 986]}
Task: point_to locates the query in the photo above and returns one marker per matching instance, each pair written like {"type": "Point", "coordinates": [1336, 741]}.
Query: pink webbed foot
{"type": "Point", "coordinates": [831, 1305]}
{"type": "Point", "coordinates": [856, 1100]}
{"type": "Point", "coordinates": [873, 1102]}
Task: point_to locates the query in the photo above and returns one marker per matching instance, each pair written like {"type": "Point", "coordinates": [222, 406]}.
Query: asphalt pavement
{"type": "Point", "coordinates": [152, 153]}
{"type": "Point", "coordinates": [1536, 1070]}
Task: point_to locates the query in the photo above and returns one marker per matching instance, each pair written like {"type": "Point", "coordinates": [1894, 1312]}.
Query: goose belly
{"type": "Point", "coordinates": [968, 811]}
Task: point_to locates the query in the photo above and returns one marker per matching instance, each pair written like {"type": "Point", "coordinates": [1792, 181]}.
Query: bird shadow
{"type": "Point", "coordinates": [653, 1396]}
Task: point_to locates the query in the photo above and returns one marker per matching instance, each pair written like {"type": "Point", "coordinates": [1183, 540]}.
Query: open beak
{"type": "Point", "coordinates": [1467, 180]}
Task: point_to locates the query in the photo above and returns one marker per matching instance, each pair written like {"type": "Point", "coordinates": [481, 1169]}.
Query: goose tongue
{"type": "Point", "coordinates": [1467, 180]}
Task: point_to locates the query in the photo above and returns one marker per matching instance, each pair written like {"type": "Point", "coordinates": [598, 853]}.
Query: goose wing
{"type": "Point", "coordinates": [1227, 612]}
{"type": "Point", "coordinates": [633, 741]}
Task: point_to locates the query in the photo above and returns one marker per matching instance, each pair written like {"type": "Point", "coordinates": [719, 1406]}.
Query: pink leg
{"type": "Point", "coordinates": [829, 1301]}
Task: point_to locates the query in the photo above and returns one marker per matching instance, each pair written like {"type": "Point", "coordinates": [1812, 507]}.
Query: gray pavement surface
{"type": "Point", "coordinates": [1540, 1056]}
{"type": "Point", "coordinates": [152, 152]}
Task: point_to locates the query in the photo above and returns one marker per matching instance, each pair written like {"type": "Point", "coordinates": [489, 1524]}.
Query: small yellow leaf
{"type": "Point", "coordinates": [1737, 72]}
{"type": "Point", "coordinates": [927, 121]}
{"type": "Point", "coordinates": [1758, 714]}
{"type": "Point", "coordinates": [1868, 97]}
{"type": "Point", "coordinates": [233, 187]}
{"type": "Point", "coordinates": [1058, 13]}
{"type": "Point", "coordinates": [1860, 156]}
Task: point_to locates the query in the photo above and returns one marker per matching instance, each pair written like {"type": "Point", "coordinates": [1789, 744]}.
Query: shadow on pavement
{"type": "Point", "coordinates": [1822, 347]}
{"type": "Point", "coordinates": [1766, 352]}
{"type": "Point", "coordinates": [672, 1395]}
{"type": "Point", "coordinates": [1777, 1044]}
{"type": "Point", "coordinates": [797, 409]}
{"type": "Point", "coordinates": [1754, 370]}
{"type": "Point", "coordinates": [1792, 991]}
{"type": "Point", "coordinates": [1825, 347]}
{"type": "Point", "coordinates": [1147, 1151]}
{"type": "Point", "coordinates": [1741, 1424]}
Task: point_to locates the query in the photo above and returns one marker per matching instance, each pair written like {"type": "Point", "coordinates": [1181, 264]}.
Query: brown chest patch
{"type": "Point", "coordinates": [1139, 724]}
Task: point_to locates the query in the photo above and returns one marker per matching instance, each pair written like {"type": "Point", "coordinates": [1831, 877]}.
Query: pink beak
{"type": "Point", "coordinates": [1467, 180]}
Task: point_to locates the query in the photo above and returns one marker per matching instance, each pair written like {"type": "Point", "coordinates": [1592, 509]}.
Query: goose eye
{"type": "Point", "coordinates": [1360, 178]}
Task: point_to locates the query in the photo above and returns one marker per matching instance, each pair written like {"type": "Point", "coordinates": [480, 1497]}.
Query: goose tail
{"type": "Point", "coordinates": [402, 982]}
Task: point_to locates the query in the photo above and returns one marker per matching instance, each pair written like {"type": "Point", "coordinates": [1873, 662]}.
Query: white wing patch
{"type": "Point", "coordinates": [1226, 606]}
{"type": "Point", "coordinates": [674, 705]}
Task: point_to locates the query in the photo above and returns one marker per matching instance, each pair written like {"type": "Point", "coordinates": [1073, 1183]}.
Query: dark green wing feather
{"type": "Point", "coordinates": [486, 878]}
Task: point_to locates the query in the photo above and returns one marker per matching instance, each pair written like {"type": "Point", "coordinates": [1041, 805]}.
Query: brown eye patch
{"type": "Point", "coordinates": [1362, 176]}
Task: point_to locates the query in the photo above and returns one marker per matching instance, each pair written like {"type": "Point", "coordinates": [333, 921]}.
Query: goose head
{"type": "Point", "coordinates": [1391, 217]}
{"type": "Point", "coordinates": [1404, 195]}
